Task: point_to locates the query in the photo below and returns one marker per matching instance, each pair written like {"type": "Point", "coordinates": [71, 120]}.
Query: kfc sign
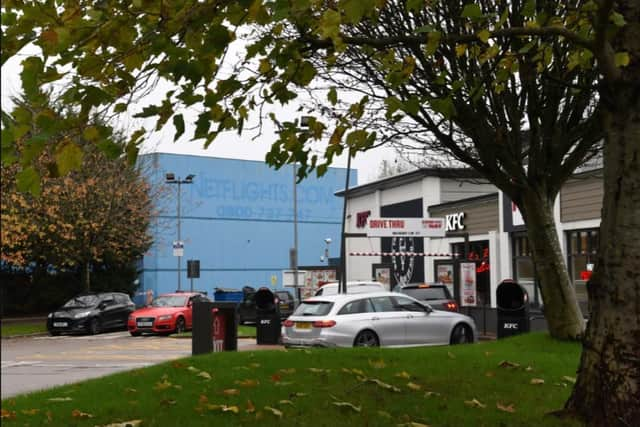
{"type": "Point", "coordinates": [361, 219]}
{"type": "Point", "coordinates": [455, 221]}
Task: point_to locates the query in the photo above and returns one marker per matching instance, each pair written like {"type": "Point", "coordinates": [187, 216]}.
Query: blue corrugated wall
{"type": "Point", "coordinates": [237, 219]}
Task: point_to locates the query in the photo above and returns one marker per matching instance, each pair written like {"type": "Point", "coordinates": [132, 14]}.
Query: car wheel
{"type": "Point", "coordinates": [366, 338]}
{"type": "Point", "coordinates": [94, 326]}
{"type": "Point", "coordinates": [135, 334]}
{"type": "Point", "coordinates": [180, 327]}
{"type": "Point", "coordinates": [461, 335]}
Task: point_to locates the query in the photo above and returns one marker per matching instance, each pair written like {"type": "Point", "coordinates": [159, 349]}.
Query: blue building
{"type": "Point", "coordinates": [236, 218]}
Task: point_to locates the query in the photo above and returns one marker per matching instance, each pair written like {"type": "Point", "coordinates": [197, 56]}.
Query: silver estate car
{"type": "Point", "coordinates": [374, 319]}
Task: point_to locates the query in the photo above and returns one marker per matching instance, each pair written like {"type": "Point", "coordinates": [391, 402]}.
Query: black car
{"type": "Point", "coordinates": [436, 295]}
{"type": "Point", "coordinates": [91, 313]}
{"type": "Point", "coordinates": [247, 308]}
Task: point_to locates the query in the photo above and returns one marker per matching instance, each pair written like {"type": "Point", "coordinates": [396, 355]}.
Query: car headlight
{"type": "Point", "coordinates": [50, 315]}
{"type": "Point", "coordinates": [81, 314]}
{"type": "Point", "coordinates": [165, 317]}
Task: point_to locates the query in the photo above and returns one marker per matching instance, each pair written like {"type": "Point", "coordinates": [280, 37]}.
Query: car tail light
{"type": "Point", "coordinates": [287, 323]}
{"type": "Point", "coordinates": [451, 306]}
{"type": "Point", "coordinates": [324, 323]}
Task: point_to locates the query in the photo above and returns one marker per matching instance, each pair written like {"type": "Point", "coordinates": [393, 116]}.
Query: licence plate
{"type": "Point", "coordinates": [60, 324]}
{"type": "Point", "coordinates": [145, 324]}
{"type": "Point", "coordinates": [303, 325]}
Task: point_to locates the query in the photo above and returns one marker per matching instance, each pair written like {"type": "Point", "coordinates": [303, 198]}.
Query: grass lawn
{"type": "Point", "coordinates": [23, 328]}
{"type": "Point", "coordinates": [512, 382]}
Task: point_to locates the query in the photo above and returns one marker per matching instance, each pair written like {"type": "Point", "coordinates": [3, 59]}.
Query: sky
{"type": "Point", "coordinates": [228, 145]}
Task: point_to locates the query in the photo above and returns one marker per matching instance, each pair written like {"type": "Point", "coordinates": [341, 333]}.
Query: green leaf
{"type": "Point", "coordinates": [433, 41]}
{"type": "Point", "coordinates": [484, 35]}
{"type": "Point", "coordinates": [304, 74]}
{"type": "Point", "coordinates": [330, 25]}
{"type": "Point", "coordinates": [91, 133]}
{"type": "Point", "coordinates": [472, 11]}
{"type": "Point", "coordinates": [69, 158]}
{"type": "Point", "coordinates": [355, 10]}
{"type": "Point", "coordinates": [414, 4]}
{"type": "Point", "coordinates": [28, 180]}
{"type": "Point", "coordinates": [32, 67]}
{"type": "Point", "coordinates": [332, 96]}
{"type": "Point", "coordinates": [529, 9]}
{"type": "Point", "coordinates": [178, 123]}
{"type": "Point", "coordinates": [621, 59]}
{"type": "Point", "coordinates": [443, 106]}
{"type": "Point", "coordinates": [617, 19]}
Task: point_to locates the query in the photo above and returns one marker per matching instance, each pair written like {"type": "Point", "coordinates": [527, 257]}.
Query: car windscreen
{"type": "Point", "coordinates": [82, 301]}
{"type": "Point", "coordinates": [313, 308]}
{"type": "Point", "coordinates": [426, 294]}
{"type": "Point", "coordinates": [169, 301]}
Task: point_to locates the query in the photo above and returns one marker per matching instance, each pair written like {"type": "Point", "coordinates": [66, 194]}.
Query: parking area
{"type": "Point", "coordinates": [34, 363]}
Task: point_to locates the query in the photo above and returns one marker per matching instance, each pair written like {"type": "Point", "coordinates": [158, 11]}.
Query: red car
{"type": "Point", "coordinates": [167, 313]}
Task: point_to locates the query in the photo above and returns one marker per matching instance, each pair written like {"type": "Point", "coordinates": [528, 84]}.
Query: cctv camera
{"type": "Point", "coordinates": [327, 240]}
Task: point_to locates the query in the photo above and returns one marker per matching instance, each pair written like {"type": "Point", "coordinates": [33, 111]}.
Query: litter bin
{"type": "Point", "coordinates": [267, 317]}
{"type": "Point", "coordinates": [513, 309]}
{"type": "Point", "coordinates": [215, 327]}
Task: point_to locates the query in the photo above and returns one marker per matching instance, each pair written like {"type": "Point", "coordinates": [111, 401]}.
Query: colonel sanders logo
{"type": "Point", "coordinates": [402, 264]}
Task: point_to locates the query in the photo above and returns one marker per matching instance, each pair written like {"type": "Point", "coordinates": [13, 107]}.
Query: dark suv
{"type": "Point", "coordinates": [436, 295]}
{"type": "Point", "coordinates": [247, 308]}
{"type": "Point", "coordinates": [92, 313]}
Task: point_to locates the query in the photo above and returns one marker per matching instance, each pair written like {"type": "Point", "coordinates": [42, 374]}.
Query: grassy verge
{"type": "Point", "coordinates": [23, 328]}
{"type": "Point", "coordinates": [512, 382]}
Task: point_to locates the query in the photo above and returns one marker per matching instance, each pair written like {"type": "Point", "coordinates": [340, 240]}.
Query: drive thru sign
{"type": "Point", "coordinates": [405, 227]}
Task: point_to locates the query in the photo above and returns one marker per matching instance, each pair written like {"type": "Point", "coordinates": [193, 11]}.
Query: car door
{"type": "Point", "coordinates": [387, 321]}
{"type": "Point", "coordinates": [421, 325]}
{"type": "Point", "coordinates": [124, 307]}
{"type": "Point", "coordinates": [108, 309]}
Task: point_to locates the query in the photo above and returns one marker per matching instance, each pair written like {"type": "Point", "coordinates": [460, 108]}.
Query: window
{"type": "Point", "coordinates": [313, 308]}
{"type": "Point", "coordinates": [381, 304]}
{"type": "Point", "coordinates": [582, 253]}
{"type": "Point", "coordinates": [358, 306]}
{"type": "Point", "coordinates": [406, 304]}
{"type": "Point", "coordinates": [523, 269]}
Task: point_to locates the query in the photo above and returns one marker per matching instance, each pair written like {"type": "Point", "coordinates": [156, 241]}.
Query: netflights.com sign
{"type": "Point", "coordinates": [405, 227]}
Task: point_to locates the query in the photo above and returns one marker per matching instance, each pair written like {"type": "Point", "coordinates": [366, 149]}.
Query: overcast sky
{"type": "Point", "coordinates": [229, 145]}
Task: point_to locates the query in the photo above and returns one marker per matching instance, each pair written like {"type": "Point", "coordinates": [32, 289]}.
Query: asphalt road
{"type": "Point", "coordinates": [35, 363]}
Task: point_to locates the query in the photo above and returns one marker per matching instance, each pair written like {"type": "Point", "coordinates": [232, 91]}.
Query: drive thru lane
{"type": "Point", "coordinates": [34, 363]}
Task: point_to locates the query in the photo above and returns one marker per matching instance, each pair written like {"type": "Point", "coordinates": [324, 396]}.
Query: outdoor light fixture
{"type": "Point", "coordinates": [171, 179]}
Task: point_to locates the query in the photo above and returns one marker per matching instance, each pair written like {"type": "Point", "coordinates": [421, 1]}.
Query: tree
{"type": "Point", "coordinates": [462, 78]}
{"type": "Point", "coordinates": [97, 215]}
{"type": "Point", "coordinates": [399, 165]}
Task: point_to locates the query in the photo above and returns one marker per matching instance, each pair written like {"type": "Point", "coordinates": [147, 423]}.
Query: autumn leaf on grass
{"type": "Point", "coordinates": [276, 378]}
{"type": "Point", "coordinates": [254, 365]}
{"type": "Point", "coordinates": [413, 424]}
{"type": "Point", "coordinates": [162, 385]}
{"type": "Point", "coordinates": [233, 409]}
{"type": "Point", "coordinates": [286, 402]}
{"type": "Point", "coordinates": [203, 399]}
{"type": "Point", "coordinates": [451, 355]}
{"type": "Point", "coordinates": [167, 402]}
{"type": "Point", "coordinates": [177, 364]}
{"type": "Point", "coordinates": [488, 353]}
{"type": "Point", "coordinates": [569, 379]}
{"type": "Point", "coordinates": [414, 387]}
{"type": "Point", "coordinates": [247, 383]}
{"type": "Point", "coordinates": [506, 408]}
{"type": "Point", "coordinates": [297, 394]}
{"type": "Point", "coordinates": [193, 369]}
{"type": "Point", "coordinates": [475, 403]}
{"type": "Point", "coordinates": [489, 374]}
{"type": "Point", "coordinates": [384, 414]}
{"type": "Point", "coordinates": [377, 364]}
{"type": "Point", "coordinates": [528, 369]}
{"type": "Point", "coordinates": [132, 423]}
{"type": "Point", "coordinates": [204, 374]}
{"type": "Point", "coordinates": [348, 406]}
{"type": "Point", "coordinates": [59, 399]}
{"type": "Point", "coordinates": [274, 411]}
{"type": "Point", "coordinates": [30, 411]}
{"type": "Point", "coordinates": [318, 370]}
{"type": "Point", "coordinates": [288, 371]}
{"type": "Point", "coordinates": [250, 407]}
{"type": "Point", "coordinates": [76, 413]}
{"type": "Point", "coordinates": [507, 364]}
{"type": "Point", "coordinates": [403, 374]}
{"type": "Point", "coordinates": [384, 385]}
{"type": "Point", "coordinates": [536, 381]}
{"type": "Point", "coordinates": [431, 393]}
{"type": "Point", "coordinates": [231, 392]}
{"type": "Point", "coordinates": [130, 390]}
{"type": "Point", "coordinates": [6, 414]}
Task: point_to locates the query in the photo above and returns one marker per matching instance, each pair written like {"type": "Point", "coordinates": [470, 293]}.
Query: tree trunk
{"type": "Point", "coordinates": [86, 276]}
{"type": "Point", "coordinates": [563, 315]}
{"type": "Point", "coordinates": [607, 391]}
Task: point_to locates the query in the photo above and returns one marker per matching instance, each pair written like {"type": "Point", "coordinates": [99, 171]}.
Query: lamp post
{"type": "Point", "coordinates": [326, 249]}
{"type": "Point", "coordinates": [171, 179]}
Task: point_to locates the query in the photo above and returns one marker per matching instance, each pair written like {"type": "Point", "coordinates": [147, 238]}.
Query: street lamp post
{"type": "Point", "coordinates": [171, 179]}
